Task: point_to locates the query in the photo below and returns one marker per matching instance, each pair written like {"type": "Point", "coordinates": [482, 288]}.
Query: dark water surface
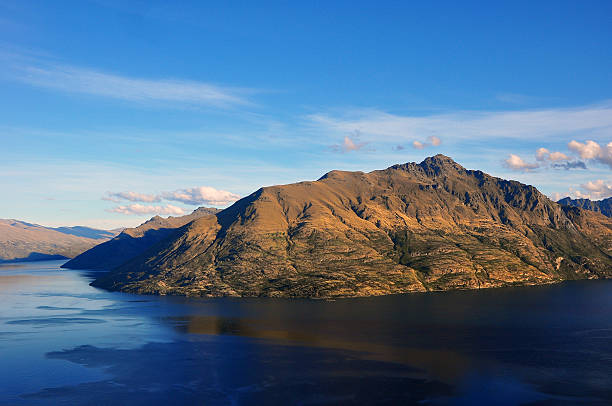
{"type": "Point", "coordinates": [64, 342]}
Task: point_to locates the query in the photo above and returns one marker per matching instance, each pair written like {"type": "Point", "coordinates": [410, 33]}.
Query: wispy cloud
{"type": "Point", "coordinates": [432, 141]}
{"type": "Point", "coordinates": [131, 196]}
{"type": "Point", "coordinates": [517, 163]}
{"type": "Point", "coordinates": [525, 124]}
{"type": "Point", "coordinates": [201, 195]}
{"type": "Point", "coordinates": [569, 165]}
{"type": "Point", "coordinates": [543, 154]}
{"type": "Point", "coordinates": [349, 145]}
{"type": "Point", "coordinates": [73, 79]}
{"type": "Point", "coordinates": [140, 209]}
{"type": "Point", "coordinates": [194, 196]}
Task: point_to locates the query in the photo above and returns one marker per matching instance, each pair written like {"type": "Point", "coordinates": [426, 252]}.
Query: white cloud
{"type": "Point", "coordinates": [139, 209]}
{"type": "Point", "coordinates": [516, 163]}
{"type": "Point", "coordinates": [431, 141]}
{"type": "Point", "coordinates": [349, 145]}
{"type": "Point", "coordinates": [131, 196]}
{"type": "Point", "coordinates": [598, 189]}
{"type": "Point", "coordinates": [201, 195]}
{"type": "Point", "coordinates": [525, 124]}
{"type": "Point", "coordinates": [543, 154]}
{"type": "Point", "coordinates": [195, 196]}
{"type": "Point", "coordinates": [591, 150]}
{"type": "Point", "coordinates": [418, 145]}
{"type": "Point", "coordinates": [556, 196]}
{"type": "Point", "coordinates": [81, 80]}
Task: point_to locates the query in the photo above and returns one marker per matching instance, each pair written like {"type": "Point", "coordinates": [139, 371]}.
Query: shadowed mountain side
{"type": "Point", "coordinates": [601, 206]}
{"type": "Point", "coordinates": [133, 242]}
{"type": "Point", "coordinates": [411, 227]}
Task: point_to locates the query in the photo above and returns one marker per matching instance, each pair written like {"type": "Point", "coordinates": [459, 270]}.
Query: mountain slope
{"type": "Point", "coordinates": [411, 227]}
{"type": "Point", "coordinates": [21, 241]}
{"type": "Point", "coordinates": [601, 206]}
{"type": "Point", "coordinates": [133, 242]}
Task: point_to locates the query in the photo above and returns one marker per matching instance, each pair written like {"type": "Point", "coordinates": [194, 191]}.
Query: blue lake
{"type": "Point", "coordinates": [64, 342]}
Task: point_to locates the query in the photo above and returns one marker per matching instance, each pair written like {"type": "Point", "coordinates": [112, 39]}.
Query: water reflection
{"type": "Point", "coordinates": [445, 365]}
{"type": "Point", "coordinates": [62, 341]}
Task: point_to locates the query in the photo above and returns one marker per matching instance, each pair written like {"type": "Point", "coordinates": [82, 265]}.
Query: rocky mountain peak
{"type": "Point", "coordinates": [436, 165]}
{"type": "Point", "coordinates": [439, 164]}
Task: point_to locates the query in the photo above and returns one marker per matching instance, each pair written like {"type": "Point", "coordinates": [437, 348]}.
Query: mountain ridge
{"type": "Point", "coordinates": [603, 206]}
{"type": "Point", "coordinates": [133, 241]}
{"type": "Point", "coordinates": [23, 241]}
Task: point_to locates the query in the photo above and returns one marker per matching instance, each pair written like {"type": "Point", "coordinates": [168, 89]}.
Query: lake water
{"type": "Point", "coordinates": [64, 342]}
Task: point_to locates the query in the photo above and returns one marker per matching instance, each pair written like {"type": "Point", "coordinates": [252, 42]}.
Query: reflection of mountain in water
{"type": "Point", "coordinates": [445, 365]}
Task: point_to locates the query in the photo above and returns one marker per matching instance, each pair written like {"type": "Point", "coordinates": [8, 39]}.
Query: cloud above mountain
{"type": "Point", "coordinates": [591, 150]}
{"type": "Point", "coordinates": [432, 141]}
{"type": "Point", "coordinates": [598, 189]}
{"type": "Point", "coordinates": [201, 195]}
{"type": "Point", "coordinates": [131, 196]}
{"type": "Point", "coordinates": [520, 124]}
{"type": "Point", "coordinates": [543, 154]}
{"type": "Point", "coordinates": [517, 163]}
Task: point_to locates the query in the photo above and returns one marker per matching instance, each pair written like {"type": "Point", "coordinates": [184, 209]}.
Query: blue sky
{"type": "Point", "coordinates": [113, 111]}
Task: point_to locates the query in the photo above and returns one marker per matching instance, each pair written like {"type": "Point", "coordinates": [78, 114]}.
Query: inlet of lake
{"type": "Point", "coordinates": [65, 342]}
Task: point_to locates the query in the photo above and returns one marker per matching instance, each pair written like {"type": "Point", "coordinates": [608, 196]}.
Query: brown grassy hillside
{"type": "Point", "coordinates": [411, 227]}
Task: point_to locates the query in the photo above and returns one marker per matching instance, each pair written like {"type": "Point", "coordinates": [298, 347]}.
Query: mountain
{"type": "Point", "coordinates": [601, 206]}
{"type": "Point", "coordinates": [411, 227]}
{"type": "Point", "coordinates": [22, 241]}
{"type": "Point", "coordinates": [88, 232]}
{"type": "Point", "coordinates": [133, 241]}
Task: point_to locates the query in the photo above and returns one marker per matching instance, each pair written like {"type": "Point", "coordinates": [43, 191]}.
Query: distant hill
{"type": "Point", "coordinates": [601, 206]}
{"type": "Point", "coordinates": [22, 241]}
{"type": "Point", "coordinates": [132, 242]}
{"type": "Point", "coordinates": [411, 227]}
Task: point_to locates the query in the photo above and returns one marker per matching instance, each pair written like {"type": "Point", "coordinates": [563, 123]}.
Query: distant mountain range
{"type": "Point", "coordinates": [601, 206]}
{"type": "Point", "coordinates": [133, 242]}
{"type": "Point", "coordinates": [411, 227]}
{"type": "Point", "coordinates": [22, 241]}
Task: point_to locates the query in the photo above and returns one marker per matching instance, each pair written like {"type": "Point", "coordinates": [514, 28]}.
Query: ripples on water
{"type": "Point", "coordinates": [62, 341]}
